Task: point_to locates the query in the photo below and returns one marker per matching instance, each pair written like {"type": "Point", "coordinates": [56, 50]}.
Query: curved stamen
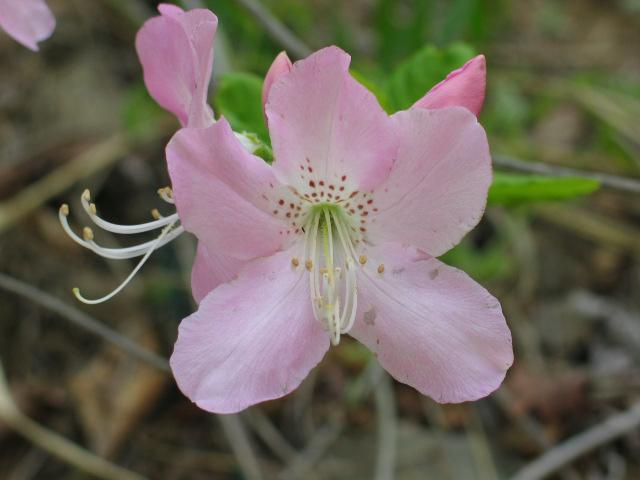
{"type": "Point", "coordinates": [166, 194]}
{"type": "Point", "coordinates": [136, 250]}
{"type": "Point", "coordinates": [90, 208]}
{"type": "Point", "coordinates": [112, 253]}
{"type": "Point", "coordinates": [142, 261]}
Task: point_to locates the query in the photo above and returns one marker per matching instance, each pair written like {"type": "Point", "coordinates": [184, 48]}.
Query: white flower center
{"type": "Point", "coordinates": [330, 256]}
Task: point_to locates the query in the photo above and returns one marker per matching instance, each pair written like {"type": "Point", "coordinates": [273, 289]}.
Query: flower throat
{"type": "Point", "coordinates": [331, 259]}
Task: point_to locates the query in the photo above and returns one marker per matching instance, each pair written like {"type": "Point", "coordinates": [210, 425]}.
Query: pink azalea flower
{"type": "Point", "coordinates": [27, 21]}
{"type": "Point", "coordinates": [176, 52]}
{"type": "Point", "coordinates": [339, 236]}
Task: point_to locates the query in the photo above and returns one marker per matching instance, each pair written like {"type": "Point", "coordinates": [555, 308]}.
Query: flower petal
{"type": "Point", "coordinates": [464, 87]}
{"type": "Point", "coordinates": [431, 326]}
{"type": "Point", "coordinates": [280, 66]}
{"type": "Point", "coordinates": [251, 340]}
{"type": "Point", "coordinates": [222, 192]}
{"type": "Point", "coordinates": [437, 190]}
{"type": "Point", "coordinates": [176, 52]}
{"type": "Point", "coordinates": [321, 116]}
{"type": "Point", "coordinates": [210, 270]}
{"type": "Point", "coordinates": [27, 21]}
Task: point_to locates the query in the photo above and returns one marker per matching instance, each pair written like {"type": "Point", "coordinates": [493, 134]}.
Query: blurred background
{"type": "Point", "coordinates": [562, 254]}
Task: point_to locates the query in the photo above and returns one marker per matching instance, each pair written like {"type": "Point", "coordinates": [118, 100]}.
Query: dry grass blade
{"type": "Point", "coordinates": [87, 163]}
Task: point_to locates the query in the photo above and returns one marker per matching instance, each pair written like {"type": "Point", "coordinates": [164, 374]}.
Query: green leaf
{"type": "Point", "coordinates": [239, 99]}
{"type": "Point", "coordinates": [514, 189]}
{"type": "Point", "coordinates": [373, 87]}
{"type": "Point", "coordinates": [487, 263]}
{"type": "Point", "coordinates": [415, 77]}
{"type": "Point", "coordinates": [141, 114]}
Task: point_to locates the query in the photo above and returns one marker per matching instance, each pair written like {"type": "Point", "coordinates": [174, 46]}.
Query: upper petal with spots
{"type": "Point", "coordinates": [324, 125]}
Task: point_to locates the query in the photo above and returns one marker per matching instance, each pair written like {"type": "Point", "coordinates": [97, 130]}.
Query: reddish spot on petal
{"type": "Point", "coordinates": [344, 177]}
{"type": "Point", "coordinates": [281, 202]}
{"type": "Point", "coordinates": [370, 201]}
{"type": "Point", "coordinates": [312, 184]}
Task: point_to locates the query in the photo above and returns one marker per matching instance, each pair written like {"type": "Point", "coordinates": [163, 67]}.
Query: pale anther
{"type": "Point", "coordinates": [295, 262]}
{"type": "Point", "coordinates": [87, 234]}
{"type": "Point", "coordinates": [362, 259]}
{"type": "Point", "coordinates": [381, 268]}
{"type": "Point", "coordinates": [308, 264]}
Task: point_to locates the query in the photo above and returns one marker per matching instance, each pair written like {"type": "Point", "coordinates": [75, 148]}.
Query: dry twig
{"type": "Point", "coordinates": [387, 428]}
{"type": "Point", "coordinates": [573, 448]}
{"type": "Point", "coordinates": [616, 182]}
{"type": "Point", "coordinates": [83, 321]}
{"type": "Point", "coordinates": [55, 444]}
{"type": "Point", "coordinates": [276, 29]}
{"type": "Point", "coordinates": [231, 424]}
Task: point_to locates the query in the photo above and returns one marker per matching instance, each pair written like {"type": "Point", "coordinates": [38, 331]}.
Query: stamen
{"type": "Point", "coordinates": [118, 289]}
{"type": "Point", "coordinates": [87, 234]}
{"type": "Point", "coordinates": [362, 259]}
{"type": "Point", "coordinates": [308, 264]}
{"type": "Point", "coordinates": [166, 194]}
{"type": "Point", "coordinates": [90, 208]}
{"type": "Point", "coordinates": [381, 268]}
{"type": "Point", "coordinates": [168, 233]}
{"type": "Point", "coordinates": [295, 262]}
{"type": "Point", "coordinates": [112, 253]}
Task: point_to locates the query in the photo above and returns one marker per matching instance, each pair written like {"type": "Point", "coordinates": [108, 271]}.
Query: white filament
{"type": "Point", "coordinates": [168, 233]}
{"type": "Point", "coordinates": [119, 288]}
{"type": "Point", "coordinates": [333, 306]}
{"type": "Point", "coordinates": [124, 229]}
